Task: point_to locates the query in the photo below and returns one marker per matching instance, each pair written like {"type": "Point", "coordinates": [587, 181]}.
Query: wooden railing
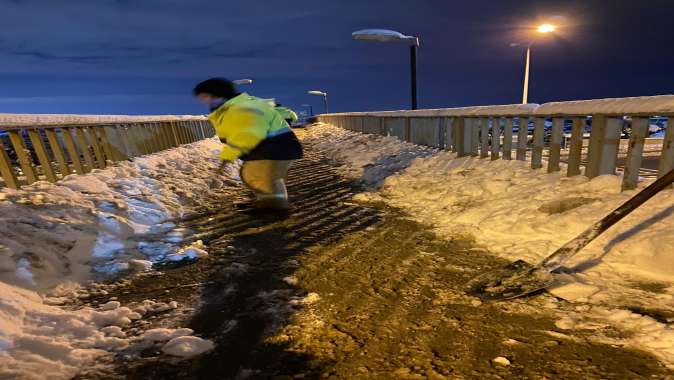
{"type": "Point", "coordinates": [30, 153]}
{"type": "Point", "coordinates": [533, 132]}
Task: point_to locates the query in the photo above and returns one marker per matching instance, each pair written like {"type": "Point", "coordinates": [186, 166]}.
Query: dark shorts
{"type": "Point", "coordinates": [282, 147]}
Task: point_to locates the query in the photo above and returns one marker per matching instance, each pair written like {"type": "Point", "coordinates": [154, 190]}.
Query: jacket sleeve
{"type": "Point", "coordinates": [246, 128]}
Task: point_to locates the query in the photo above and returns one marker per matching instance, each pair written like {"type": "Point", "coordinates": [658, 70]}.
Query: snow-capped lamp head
{"type": "Point", "coordinates": [215, 91]}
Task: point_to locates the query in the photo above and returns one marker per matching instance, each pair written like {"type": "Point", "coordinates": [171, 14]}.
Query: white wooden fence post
{"type": "Point", "coordinates": [635, 152]}
{"type": "Point", "coordinates": [522, 138]}
{"type": "Point", "coordinates": [484, 137]}
{"type": "Point", "coordinates": [537, 149]}
{"type": "Point", "coordinates": [555, 144]}
{"type": "Point", "coordinates": [508, 138]}
{"type": "Point", "coordinates": [667, 156]}
{"type": "Point", "coordinates": [576, 146]}
{"type": "Point", "coordinates": [495, 137]}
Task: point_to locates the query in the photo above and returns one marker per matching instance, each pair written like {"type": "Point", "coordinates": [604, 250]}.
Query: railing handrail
{"type": "Point", "coordinates": [32, 125]}
{"type": "Point", "coordinates": [661, 105]}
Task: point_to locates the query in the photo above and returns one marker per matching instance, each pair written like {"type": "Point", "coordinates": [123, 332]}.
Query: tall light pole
{"type": "Point", "coordinates": [543, 29]}
{"type": "Point", "coordinates": [385, 35]}
{"type": "Point", "coordinates": [323, 94]}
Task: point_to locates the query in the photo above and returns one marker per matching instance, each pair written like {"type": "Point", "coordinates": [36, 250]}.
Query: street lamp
{"type": "Point", "coordinates": [311, 109]}
{"type": "Point", "coordinates": [323, 94]}
{"type": "Point", "coordinates": [542, 29]}
{"type": "Point", "coordinates": [384, 35]}
{"type": "Point", "coordinates": [240, 82]}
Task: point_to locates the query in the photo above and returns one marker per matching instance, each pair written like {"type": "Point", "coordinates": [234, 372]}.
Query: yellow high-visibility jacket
{"type": "Point", "coordinates": [243, 122]}
{"type": "Point", "coordinates": [286, 113]}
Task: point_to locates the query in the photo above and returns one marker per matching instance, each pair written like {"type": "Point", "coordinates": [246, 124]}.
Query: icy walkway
{"type": "Point", "coordinates": [348, 290]}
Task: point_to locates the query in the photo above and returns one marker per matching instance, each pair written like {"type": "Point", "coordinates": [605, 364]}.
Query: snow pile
{"type": "Point", "coordinates": [176, 342]}
{"type": "Point", "coordinates": [187, 346]}
{"type": "Point", "coordinates": [39, 341]}
{"type": "Point", "coordinates": [15, 118]}
{"type": "Point", "coordinates": [520, 213]}
{"type": "Point", "coordinates": [371, 159]}
{"type": "Point", "coordinates": [50, 233]}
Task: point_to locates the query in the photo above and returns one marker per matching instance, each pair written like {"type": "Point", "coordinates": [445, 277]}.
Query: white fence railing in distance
{"type": "Point", "coordinates": [532, 132]}
{"type": "Point", "coordinates": [29, 153]}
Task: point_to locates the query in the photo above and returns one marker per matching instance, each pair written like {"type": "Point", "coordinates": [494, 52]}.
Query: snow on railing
{"type": "Point", "coordinates": [535, 131]}
{"type": "Point", "coordinates": [49, 147]}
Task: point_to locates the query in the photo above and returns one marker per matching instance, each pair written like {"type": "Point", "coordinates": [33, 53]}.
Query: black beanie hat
{"type": "Point", "coordinates": [218, 87]}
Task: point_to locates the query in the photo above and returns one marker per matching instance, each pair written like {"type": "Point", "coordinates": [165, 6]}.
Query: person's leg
{"type": "Point", "coordinates": [267, 179]}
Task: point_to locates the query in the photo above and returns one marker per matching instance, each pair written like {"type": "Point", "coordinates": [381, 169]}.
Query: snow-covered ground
{"type": "Point", "coordinates": [53, 236]}
{"type": "Point", "coordinates": [519, 213]}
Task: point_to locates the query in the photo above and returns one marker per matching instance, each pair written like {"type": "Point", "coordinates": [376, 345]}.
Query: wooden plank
{"type": "Point", "coordinates": [98, 149]}
{"type": "Point", "coordinates": [449, 134]}
{"type": "Point", "coordinates": [575, 146]}
{"type": "Point", "coordinates": [667, 156]}
{"type": "Point", "coordinates": [635, 152]}
{"type": "Point", "coordinates": [108, 149]}
{"type": "Point", "coordinates": [495, 138]}
{"type": "Point", "coordinates": [153, 140]}
{"type": "Point", "coordinates": [188, 132]}
{"type": "Point", "coordinates": [56, 149]}
{"type": "Point", "coordinates": [72, 150]}
{"type": "Point", "coordinates": [184, 139]}
{"type": "Point", "coordinates": [42, 156]}
{"type": "Point", "coordinates": [522, 138]}
{"type": "Point", "coordinates": [163, 131]}
{"type": "Point", "coordinates": [162, 136]}
{"type": "Point", "coordinates": [555, 144]}
{"type": "Point", "coordinates": [603, 150]}
{"type": "Point", "coordinates": [594, 149]}
{"type": "Point", "coordinates": [125, 138]}
{"type": "Point", "coordinates": [84, 148]}
{"type": "Point", "coordinates": [6, 169]}
{"type": "Point", "coordinates": [508, 139]}
{"type": "Point", "coordinates": [142, 137]}
{"type": "Point", "coordinates": [484, 137]}
{"type": "Point", "coordinates": [174, 134]}
{"type": "Point", "coordinates": [23, 155]}
{"type": "Point", "coordinates": [474, 136]}
{"type": "Point", "coordinates": [537, 149]}
{"type": "Point", "coordinates": [408, 129]}
{"type": "Point", "coordinates": [460, 147]}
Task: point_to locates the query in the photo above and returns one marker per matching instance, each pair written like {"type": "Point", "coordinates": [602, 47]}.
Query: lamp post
{"type": "Point", "coordinates": [543, 29]}
{"type": "Point", "coordinates": [323, 94]}
{"type": "Point", "coordinates": [240, 82]}
{"type": "Point", "coordinates": [385, 35]}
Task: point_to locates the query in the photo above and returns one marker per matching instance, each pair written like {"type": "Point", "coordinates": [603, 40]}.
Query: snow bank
{"type": "Point", "coordinates": [50, 233]}
{"type": "Point", "coordinates": [109, 220]}
{"type": "Point", "coordinates": [371, 158]}
{"type": "Point", "coordinates": [39, 341]}
{"type": "Point", "coordinates": [520, 213]}
{"type": "Point", "coordinates": [15, 118]}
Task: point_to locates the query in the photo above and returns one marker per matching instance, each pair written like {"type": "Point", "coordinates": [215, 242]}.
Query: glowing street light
{"type": "Point", "coordinates": [546, 28]}
{"type": "Point", "coordinates": [384, 35]}
{"type": "Point", "coordinates": [323, 94]}
{"type": "Point", "coordinates": [240, 82]}
{"type": "Point", "coordinates": [542, 29]}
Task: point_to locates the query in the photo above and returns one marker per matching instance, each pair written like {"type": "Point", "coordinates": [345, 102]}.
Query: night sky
{"type": "Point", "coordinates": [144, 56]}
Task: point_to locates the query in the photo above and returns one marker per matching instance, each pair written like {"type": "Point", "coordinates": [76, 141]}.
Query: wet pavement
{"type": "Point", "coordinates": [342, 290]}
